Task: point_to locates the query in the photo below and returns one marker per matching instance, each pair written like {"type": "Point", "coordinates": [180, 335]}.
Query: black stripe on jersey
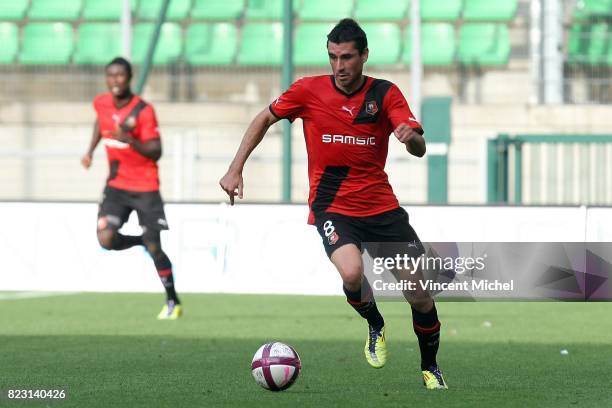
{"type": "Point", "coordinates": [328, 187]}
{"type": "Point", "coordinates": [375, 94]}
{"type": "Point", "coordinates": [114, 170]}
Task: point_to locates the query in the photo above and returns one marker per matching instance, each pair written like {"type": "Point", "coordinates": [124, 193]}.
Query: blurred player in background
{"type": "Point", "coordinates": [348, 118]}
{"type": "Point", "coordinates": [128, 128]}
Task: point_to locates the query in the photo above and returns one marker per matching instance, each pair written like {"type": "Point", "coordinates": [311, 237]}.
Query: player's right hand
{"type": "Point", "coordinates": [232, 184]}
{"type": "Point", "coordinates": [86, 161]}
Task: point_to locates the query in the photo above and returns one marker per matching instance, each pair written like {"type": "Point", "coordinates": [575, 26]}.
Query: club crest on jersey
{"type": "Point", "coordinates": [371, 108]}
{"type": "Point", "coordinates": [333, 238]}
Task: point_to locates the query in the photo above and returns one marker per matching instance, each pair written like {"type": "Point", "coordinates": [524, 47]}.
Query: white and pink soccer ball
{"type": "Point", "coordinates": [276, 366]}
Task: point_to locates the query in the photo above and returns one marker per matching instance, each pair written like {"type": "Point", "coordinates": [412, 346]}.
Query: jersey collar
{"type": "Point", "coordinates": [355, 92]}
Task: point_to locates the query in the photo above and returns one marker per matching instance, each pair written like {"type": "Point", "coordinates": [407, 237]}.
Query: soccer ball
{"type": "Point", "coordinates": [276, 366]}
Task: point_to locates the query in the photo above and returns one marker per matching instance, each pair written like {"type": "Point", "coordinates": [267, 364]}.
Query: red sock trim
{"type": "Point", "coordinates": [164, 273]}
{"type": "Point", "coordinates": [422, 329]}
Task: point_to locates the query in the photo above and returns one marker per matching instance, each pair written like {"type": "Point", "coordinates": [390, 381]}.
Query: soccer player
{"type": "Point", "coordinates": [128, 129]}
{"type": "Point", "coordinates": [348, 118]}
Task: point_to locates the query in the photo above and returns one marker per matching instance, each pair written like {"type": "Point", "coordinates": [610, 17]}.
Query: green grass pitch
{"type": "Point", "coordinates": [110, 351]}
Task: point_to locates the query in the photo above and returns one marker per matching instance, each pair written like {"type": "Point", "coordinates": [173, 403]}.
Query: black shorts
{"type": "Point", "coordinates": [117, 205]}
{"type": "Point", "coordinates": [388, 227]}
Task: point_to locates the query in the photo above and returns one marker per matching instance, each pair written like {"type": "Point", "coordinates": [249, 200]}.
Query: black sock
{"type": "Point", "coordinates": [365, 305]}
{"type": "Point", "coordinates": [121, 241]}
{"type": "Point", "coordinates": [167, 279]}
{"type": "Point", "coordinates": [164, 270]}
{"type": "Point", "coordinates": [427, 329]}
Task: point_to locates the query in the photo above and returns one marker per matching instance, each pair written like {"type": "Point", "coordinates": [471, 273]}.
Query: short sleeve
{"type": "Point", "coordinates": [147, 123]}
{"type": "Point", "coordinates": [290, 104]}
{"type": "Point", "coordinates": [97, 102]}
{"type": "Point", "coordinates": [398, 110]}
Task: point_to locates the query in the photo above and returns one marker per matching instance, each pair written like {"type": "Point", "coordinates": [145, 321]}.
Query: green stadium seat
{"type": "Point", "coordinates": [13, 9]}
{"type": "Point", "coordinates": [98, 43]}
{"type": "Point", "coordinates": [437, 44]}
{"type": "Point", "coordinates": [321, 10]}
{"type": "Point", "coordinates": [383, 43]}
{"type": "Point", "coordinates": [391, 10]}
{"type": "Point", "coordinates": [489, 10]}
{"type": "Point", "coordinates": [261, 44]}
{"type": "Point", "coordinates": [484, 44]}
{"type": "Point", "coordinates": [46, 43]}
{"type": "Point", "coordinates": [264, 10]}
{"type": "Point", "coordinates": [217, 9]}
{"type": "Point", "coordinates": [310, 44]}
{"type": "Point", "coordinates": [578, 43]}
{"type": "Point", "coordinates": [211, 44]}
{"type": "Point", "coordinates": [169, 47]}
{"type": "Point", "coordinates": [599, 40]}
{"type": "Point", "coordinates": [177, 9]}
{"type": "Point", "coordinates": [68, 10]}
{"type": "Point", "coordinates": [586, 9]}
{"type": "Point", "coordinates": [105, 9]}
{"type": "Point", "coordinates": [9, 38]}
{"type": "Point", "coordinates": [441, 10]}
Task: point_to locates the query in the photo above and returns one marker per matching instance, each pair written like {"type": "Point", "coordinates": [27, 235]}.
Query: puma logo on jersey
{"type": "Point", "coordinates": [351, 140]}
{"type": "Point", "coordinates": [349, 110]}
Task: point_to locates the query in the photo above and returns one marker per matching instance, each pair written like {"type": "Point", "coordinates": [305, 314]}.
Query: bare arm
{"type": "Point", "coordinates": [232, 180]}
{"type": "Point", "coordinates": [151, 149]}
{"type": "Point", "coordinates": [412, 138]}
{"type": "Point", "coordinates": [95, 139]}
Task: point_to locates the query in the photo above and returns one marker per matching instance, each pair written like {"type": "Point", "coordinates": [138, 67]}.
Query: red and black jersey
{"type": "Point", "coordinates": [129, 170]}
{"type": "Point", "coordinates": [347, 139]}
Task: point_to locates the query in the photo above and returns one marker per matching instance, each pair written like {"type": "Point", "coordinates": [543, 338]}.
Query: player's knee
{"type": "Point", "coordinates": [352, 276]}
{"type": "Point", "coordinates": [422, 302]}
{"type": "Point", "coordinates": [105, 239]}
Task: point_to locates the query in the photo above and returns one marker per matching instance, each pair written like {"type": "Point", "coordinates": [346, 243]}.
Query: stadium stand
{"type": "Point", "coordinates": [10, 43]}
{"type": "Point", "coordinates": [381, 10]}
{"type": "Point", "coordinates": [483, 44]}
{"type": "Point", "coordinates": [487, 10]}
{"type": "Point", "coordinates": [385, 21]}
{"type": "Point", "coordinates": [211, 44]}
{"type": "Point", "coordinates": [383, 42]}
{"type": "Point", "coordinates": [261, 44]}
{"type": "Point", "coordinates": [46, 43]}
{"type": "Point", "coordinates": [104, 10]}
{"type": "Point", "coordinates": [264, 10]}
{"type": "Point", "coordinates": [586, 9]}
{"type": "Point", "coordinates": [438, 44]}
{"type": "Point", "coordinates": [97, 43]}
{"type": "Point", "coordinates": [177, 9]}
{"type": "Point", "coordinates": [13, 10]}
{"type": "Point", "coordinates": [169, 48]}
{"type": "Point", "coordinates": [310, 38]}
{"type": "Point", "coordinates": [65, 10]}
{"type": "Point", "coordinates": [436, 10]}
{"type": "Point", "coordinates": [320, 10]}
{"type": "Point", "coordinates": [217, 9]}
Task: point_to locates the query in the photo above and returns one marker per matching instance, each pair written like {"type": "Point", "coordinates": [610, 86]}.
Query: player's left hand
{"type": "Point", "coordinates": [405, 133]}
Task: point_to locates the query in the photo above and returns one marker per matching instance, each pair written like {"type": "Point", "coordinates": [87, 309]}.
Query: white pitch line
{"type": "Point", "coordinates": [31, 295]}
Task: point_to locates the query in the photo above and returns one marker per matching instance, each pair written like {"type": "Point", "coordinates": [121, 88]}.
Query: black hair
{"type": "Point", "coordinates": [348, 30]}
{"type": "Point", "coordinates": [123, 62]}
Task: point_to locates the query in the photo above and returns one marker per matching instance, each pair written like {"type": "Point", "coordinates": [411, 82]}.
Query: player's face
{"type": "Point", "coordinates": [346, 63]}
{"type": "Point", "coordinates": [117, 80]}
